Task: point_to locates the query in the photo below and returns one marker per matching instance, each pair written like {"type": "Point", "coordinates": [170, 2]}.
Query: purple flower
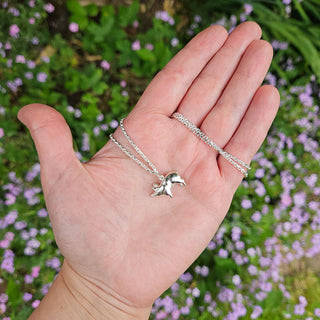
{"type": "Point", "coordinates": [256, 312]}
{"type": "Point", "coordinates": [96, 131]}
{"type": "Point", "coordinates": [164, 16]}
{"type": "Point", "coordinates": [28, 278]}
{"type": "Point", "coordinates": [33, 243]}
{"type": "Point", "coordinates": [14, 11]}
{"type": "Point", "coordinates": [3, 297]}
{"type": "Point", "coordinates": [239, 309]}
{"type": "Point", "coordinates": [14, 30]}
{"type": "Point", "coordinates": [299, 199]}
{"type": "Point", "coordinates": [105, 65]}
{"type": "Point", "coordinates": [35, 271]}
{"type": "Point", "coordinates": [186, 277]}
{"type": "Point", "coordinates": [77, 113]}
{"type": "Point", "coordinates": [20, 59]}
{"type": "Point", "coordinates": [45, 59]}
{"type": "Point", "coordinates": [207, 297]}
{"type": "Point", "coordinates": [175, 287]}
{"type": "Point", "coordinates": [85, 142]}
{"type": "Point", "coordinates": [7, 264]}
{"type": "Point", "coordinates": [42, 77]}
{"type": "Point", "coordinates": [235, 233]}
{"type": "Point", "coordinates": [11, 217]}
{"type": "Point", "coordinates": [100, 117]}
{"type": "Point", "coordinates": [35, 303]}
{"type": "Point", "coordinates": [114, 124]}
{"type": "Point", "coordinates": [286, 200]}
{"type": "Point", "coordinates": [27, 296]}
{"type": "Point", "coordinates": [49, 7]}
{"type": "Point", "coordinates": [149, 46]}
{"type": "Point", "coordinates": [256, 217]}
{"type": "Point", "coordinates": [42, 213]}
{"type": "Point", "coordinates": [260, 173]}
{"type": "Point", "coordinates": [223, 253]}
{"type": "Point", "coordinates": [240, 245]}
{"type": "Point", "coordinates": [28, 251]}
{"type": "Point", "coordinates": [31, 64]}
{"type": "Point", "coordinates": [204, 271]}
{"type": "Point", "coordinates": [196, 292]}
{"type": "Point", "coordinates": [266, 286]}
{"type": "Point", "coordinates": [174, 42]}
{"type": "Point", "coordinates": [311, 180]}
{"type": "Point", "coordinates": [264, 262]}
{"type": "Point", "coordinates": [32, 20]}
{"type": "Point", "coordinates": [4, 243]}
{"type": "Point", "coordinates": [54, 263]}
{"type": "Point", "coordinates": [45, 288]}
{"type": "Point", "coordinates": [225, 295]}
{"type": "Point", "coordinates": [185, 310]}
{"type": "Point", "coordinates": [136, 45]}
{"type": "Point", "coordinates": [104, 127]}
{"type": "Point", "coordinates": [317, 312]}
{"type": "Point", "coordinates": [246, 204]}
{"type": "Point", "coordinates": [28, 75]}
{"type": "Point", "coordinates": [299, 309]}
{"type": "Point", "coordinates": [73, 27]}
{"type": "Point", "coordinates": [135, 24]}
{"type": "Point", "coordinates": [1, 133]}
{"type": "Point", "coordinates": [303, 301]}
{"type": "Point", "coordinates": [19, 225]}
{"type": "Point", "coordinates": [252, 270]}
{"type": "Point", "coordinates": [261, 295]}
{"type": "Point", "coordinates": [247, 8]}
{"type": "Point", "coordinates": [236, 280]}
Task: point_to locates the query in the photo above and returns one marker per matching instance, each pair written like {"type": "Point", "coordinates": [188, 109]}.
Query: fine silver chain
{"type": "Point", "coordinates": [194, 129]}
{"type": "Point", "coordinates": [153, 169]}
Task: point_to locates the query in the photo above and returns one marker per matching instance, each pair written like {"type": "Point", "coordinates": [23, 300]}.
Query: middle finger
{"type": "Point", "coordinates": [208, 86]}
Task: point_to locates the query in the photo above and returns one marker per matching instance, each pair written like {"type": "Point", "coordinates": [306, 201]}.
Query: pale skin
{"type": "Point", "coordinates": [122, 247]}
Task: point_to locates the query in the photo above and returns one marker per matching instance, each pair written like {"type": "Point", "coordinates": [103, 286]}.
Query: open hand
{"type": "Point", "coordinates": [106, 225]}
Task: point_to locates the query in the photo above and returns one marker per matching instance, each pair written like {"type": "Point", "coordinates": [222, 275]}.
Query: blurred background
{"type": "Point", "coordinates": [91, 60]}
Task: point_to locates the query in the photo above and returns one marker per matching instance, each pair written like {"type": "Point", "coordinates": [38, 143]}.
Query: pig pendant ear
{"type": "Point", "coordinates": [165, 187]}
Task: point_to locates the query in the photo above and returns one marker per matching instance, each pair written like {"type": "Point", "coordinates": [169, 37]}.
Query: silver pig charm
{"type": "Point", "coordinates": [165, 187]}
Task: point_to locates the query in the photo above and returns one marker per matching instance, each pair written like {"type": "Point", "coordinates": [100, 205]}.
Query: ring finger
{"type": "Point", "coordinates": [224, 119]}
{"type": "Point", "coordinates": [208, 86]}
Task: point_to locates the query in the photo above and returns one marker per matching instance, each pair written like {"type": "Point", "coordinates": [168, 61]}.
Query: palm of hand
{"type": "Point", "coordinates": [148, 241]}
{"type": "Point", "coordinates": [106, 224]}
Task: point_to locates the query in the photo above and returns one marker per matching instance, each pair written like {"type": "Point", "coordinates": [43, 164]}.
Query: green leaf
{"type": "Point", "coordinates": [301, 42]}
{"type": "Point", "coordinates": [100, 87]}
{"type": "Point", "coordinates": [127, 15]}
{"type": "Point", "coordinates": [75, 8]}
{"type": "Point", "coordinates": [89, 81]}
{"type": "Point", "coordinates": [100, 32]}
{"type": "Point", "coordinates": [82, 21]}
{"type": "Point", "coordinates": [92, 9]}
{"type": "Point", "coordinates": [303, 14]}
{"type": "Point", "coordinates": [14, 293]}
{"type": "Point", "coordinates": [24, 313]}
{"type": "Point", "coordinates": [146, 54]}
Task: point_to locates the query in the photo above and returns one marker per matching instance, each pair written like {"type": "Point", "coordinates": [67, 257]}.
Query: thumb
{"type": "Point", "coordinates": [53, 141]}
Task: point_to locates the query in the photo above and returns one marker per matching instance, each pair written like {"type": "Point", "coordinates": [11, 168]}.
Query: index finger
{"type": "Point", "coordinates": [168, 87]}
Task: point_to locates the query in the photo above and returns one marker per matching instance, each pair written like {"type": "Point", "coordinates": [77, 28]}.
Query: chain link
{"type": "Point", "coordinates": [131, 156]}
{"type": "Point", "coordinates": [232, 159]}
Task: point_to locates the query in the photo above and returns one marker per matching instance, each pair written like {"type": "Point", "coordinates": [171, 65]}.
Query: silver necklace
{"type": "Point", "coordinates": [166, 182]}
{"type": "Point", "coordinates": [194, 129]}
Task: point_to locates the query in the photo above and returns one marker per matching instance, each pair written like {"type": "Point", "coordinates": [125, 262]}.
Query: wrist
{"type": "Point", "coordinates": [74, 297]}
